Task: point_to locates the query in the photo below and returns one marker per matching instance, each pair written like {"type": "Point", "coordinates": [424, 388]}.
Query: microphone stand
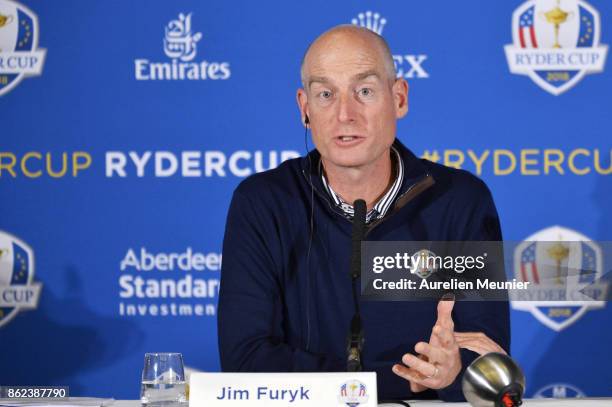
{"type": "Point", "coordinates": [355, 337]}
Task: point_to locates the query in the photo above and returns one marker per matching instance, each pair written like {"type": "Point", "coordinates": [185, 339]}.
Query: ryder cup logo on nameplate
{"type": "Point", "coordinates": [353, 393]}
{"type": "Point", "coordinates": [408, 66]}
{"type": "Point", "coordinates": [556, 43]}
{"type": "Point", "coordinates": [20, 56]}
{"type": "Point", "coordinates": [181, 47]}
{"type": "Point", "coordinates": [552, 260]}
{"type": "Point", "coordinates": [18, 291]}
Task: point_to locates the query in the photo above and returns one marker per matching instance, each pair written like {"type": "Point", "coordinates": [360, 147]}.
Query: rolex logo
{"type": "Point", "coordinates": [371, 21]}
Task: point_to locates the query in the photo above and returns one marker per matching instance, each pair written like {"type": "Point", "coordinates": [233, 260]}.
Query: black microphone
{"type": "Point", "coordinates": [355, 339]}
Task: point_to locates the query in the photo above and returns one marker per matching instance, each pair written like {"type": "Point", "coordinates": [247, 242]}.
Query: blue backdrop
{"type": "Point", "coordinates": [126, 125]}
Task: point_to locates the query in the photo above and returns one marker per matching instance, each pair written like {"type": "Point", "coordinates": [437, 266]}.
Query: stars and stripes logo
{"type": "Point", "coordinates": [529, 267]}
{"type": "Point", "coordinates": [527, 30]}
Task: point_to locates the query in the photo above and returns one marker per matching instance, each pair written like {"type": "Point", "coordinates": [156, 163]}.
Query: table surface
{"type": "Point", "coordinates": [584, 402]}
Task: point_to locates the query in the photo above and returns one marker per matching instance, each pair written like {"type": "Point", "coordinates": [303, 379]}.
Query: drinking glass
{"type": "Point", "coordinates": [163, 380]}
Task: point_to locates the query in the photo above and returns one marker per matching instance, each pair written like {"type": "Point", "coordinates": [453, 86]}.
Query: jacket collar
{"type": "Point", "coordinates": [415, 171]}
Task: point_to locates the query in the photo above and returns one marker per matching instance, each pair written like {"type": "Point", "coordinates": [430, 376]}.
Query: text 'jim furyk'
{"type": "Point", "coordinates": [265, 393]}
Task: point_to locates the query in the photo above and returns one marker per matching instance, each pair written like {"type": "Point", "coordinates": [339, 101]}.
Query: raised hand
{"type": "Point", "coordinates": [438, 362]}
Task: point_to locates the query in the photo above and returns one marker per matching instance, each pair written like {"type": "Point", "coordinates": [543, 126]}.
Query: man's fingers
{"type": "Point", "coordinates": [407, 373]}
{"type": "Point", "coordinates": [445, 309]}
{"type": "Point", "coordinates": [418, 381]}
{"type": "Point", "coordinates": [472, 337]}
{"type": "Point", "coordinates": [419, 365]}
{"type": "Point", "coordinates": [467, 339]}
{"type": "Point", "coordinates": [434, 354]}
{"type": "Point", "coordinates": [477, 342]}
{"type": "Point", "coordinates": [481, 348]}
{"type": "Point", "coordinates": [413, 377]}
{"type": "Point", "coordinates": [445, 336]}
{"type": "Point", "coordinates": [474, 348]}
{"type": "Point", "coordinates": [469, 335]}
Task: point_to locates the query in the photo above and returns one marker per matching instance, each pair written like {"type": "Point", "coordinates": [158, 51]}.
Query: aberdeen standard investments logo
{"type": "Point", "coordinates": [20, 56]}
{"type": "Point", "coordinates": [556, 43]}
{"type": "Point", "coordinates": [181, 46]}
{"type": "Point", "coordinates": [18, 291]}
{"type": "Point", "coordinates": [549, 260]}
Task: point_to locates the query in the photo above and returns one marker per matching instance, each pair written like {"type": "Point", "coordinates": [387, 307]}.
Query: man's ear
{"type": "Point", "coordinates": [302, 101]}
{"type": "Point", "coordinates": [400, 97]}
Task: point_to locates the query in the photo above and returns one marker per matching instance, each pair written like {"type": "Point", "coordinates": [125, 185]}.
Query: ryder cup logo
{"type": "Point", "coordinates": [407, 66]}
{"type": "Point", "coordinates": [18, 291]}
{"type": "Point", "coordinates": [353, 393]}
{"type": "Point", "coordinates": [20, 56]}
{"type": "Point", "coordinates": [564, 269]}
{"type": "Point", "coordinates": [556, 43]}
{"type": "Point", "coordinates": [180, 45]}
{"type": "Point", "coordinates": [422, 265]}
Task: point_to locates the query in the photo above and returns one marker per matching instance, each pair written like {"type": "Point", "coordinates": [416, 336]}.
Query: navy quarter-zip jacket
{"type": "Point", "coordinates": [285, 301]}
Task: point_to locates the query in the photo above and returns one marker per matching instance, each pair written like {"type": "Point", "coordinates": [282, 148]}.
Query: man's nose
{"type": "Point", "coordinates": [347, 108]}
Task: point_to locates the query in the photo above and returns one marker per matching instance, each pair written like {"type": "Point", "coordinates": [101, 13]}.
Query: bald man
{"type": "Point", "coordinates": [286, 303]}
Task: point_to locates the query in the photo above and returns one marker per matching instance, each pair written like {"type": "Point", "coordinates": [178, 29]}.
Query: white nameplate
{"type": "Point", "coordinates": [283, 389]}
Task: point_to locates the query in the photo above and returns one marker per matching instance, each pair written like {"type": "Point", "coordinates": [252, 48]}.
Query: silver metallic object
{"type": "Point", "coordinates": [494, 380]}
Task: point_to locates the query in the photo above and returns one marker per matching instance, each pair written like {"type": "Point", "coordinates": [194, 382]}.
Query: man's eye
{"type": "Point", "coordinates": [365, 92]}
{"type": "Point", "coordinates": [325, 94]}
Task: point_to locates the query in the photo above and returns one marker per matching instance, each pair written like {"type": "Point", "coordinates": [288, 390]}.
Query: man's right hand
{"type": "Point", "coordinates": [438, 362]}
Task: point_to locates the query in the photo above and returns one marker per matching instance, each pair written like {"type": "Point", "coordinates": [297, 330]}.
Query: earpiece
{"type": "Point", "coordinates": [306, 119]}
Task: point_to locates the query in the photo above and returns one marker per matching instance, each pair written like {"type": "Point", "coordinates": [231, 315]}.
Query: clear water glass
{"type": "Point", "coordinates": [163, 380]}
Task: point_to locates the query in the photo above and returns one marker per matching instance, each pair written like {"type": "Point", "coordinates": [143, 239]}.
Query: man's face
{"type": "Point", "coordinates": [351, 102]}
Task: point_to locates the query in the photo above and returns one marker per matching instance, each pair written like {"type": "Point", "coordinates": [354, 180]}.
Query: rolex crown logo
{"type": "Point", "coordinates": [371, 21]}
